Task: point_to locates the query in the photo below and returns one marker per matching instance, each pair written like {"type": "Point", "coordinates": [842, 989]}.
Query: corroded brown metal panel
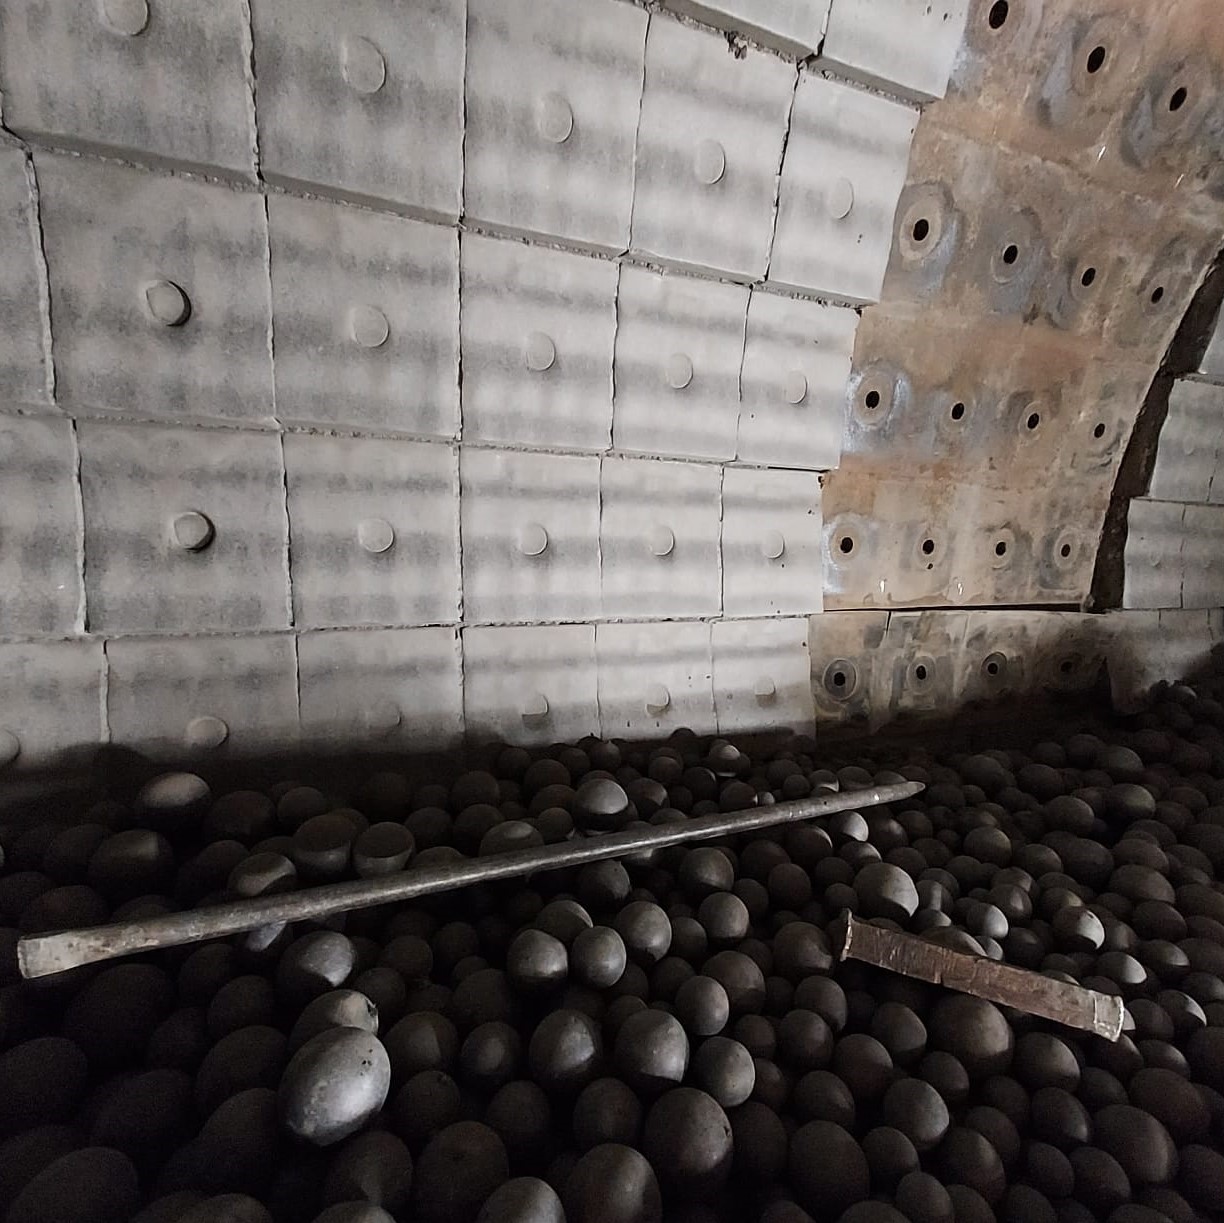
{"type": "Point", "coordinates": [1063, 205]}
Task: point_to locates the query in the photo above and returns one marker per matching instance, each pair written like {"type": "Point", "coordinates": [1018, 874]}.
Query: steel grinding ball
{"type": "Point", "coordinates": [598, 957]}
{"type": "Point", "coordinates": [967, 1158]}
{"type": "Point", "coordinates": [651, 1052]}
{"type": "Point", "coordinates": [687, 1139]}
{"type": "Point", "coordinates": [601, 805]}
{"type": "Point", "coordinates": [801, 950]}
{"type": "Point", "coordinates": [333, 1085]}
{"type": "Point", "coordinates": [41, 1080]}
{"type": "Point", "coordinates": [759, 1141]}
{"type": "Point", "coordinates": [864, 1065]}
{"type": "Point", "coordinates": [227, 1208]}
{"type": "Point", "coordinates": [702, 1006]}
{"type": "Point", "coordinates": [741, 979]}
{"type": "Point", "coordinates": [607, 1110]}
{"type": "Point", "coordinates": [314, 964]}
{"type": "Point", "coordinates": [884, 890]}
{"type": "Point", "coordinates": [923, 1199]}
{"type": "Point", "coordinates": [375, 1167]}
{"type": "Point", "coordinates": [725, 1069]}
{"type": "Point", "coordinates": [457, 1173]}
{"type": "Point", "coordinates": [339, 1008]}
{"type": "Point", "coordinates": [612, 1183]}
{"type": "Point", "coordinates": [537, 962]}
{"type": "Point", "coordinates": [828, 1170]}
{"type": "Point", "coordinates": [566, 1051]}
{"type": "Point", "coordinates": [1140, 1144]}
{"type": "Point", "coordinates": [525, 1199]}
{"type": "Point", "coordinates": [91, 1185]}
{"type": "Point", "coordinates": [916, 1109]}
{"type": "Point", "coordinates": [974, 1031]}
{"type": "Point", "coordinates": [646, 930]}
{"type": "Point", "coordinates": [424, 1106]}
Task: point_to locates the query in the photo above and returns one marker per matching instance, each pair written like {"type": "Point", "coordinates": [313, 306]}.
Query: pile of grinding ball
{"type": "Point", "coordinates": [665, 1037]}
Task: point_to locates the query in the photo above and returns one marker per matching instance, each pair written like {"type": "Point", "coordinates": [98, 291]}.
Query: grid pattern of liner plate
{"type": "Point", "coordinates": [339, 379]}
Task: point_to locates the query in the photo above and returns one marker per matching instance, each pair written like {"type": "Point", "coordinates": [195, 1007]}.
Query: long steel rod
{"type": "Point", "coordinates": [41, 955]}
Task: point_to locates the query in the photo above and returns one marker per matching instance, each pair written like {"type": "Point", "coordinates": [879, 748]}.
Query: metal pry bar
{"type": "Point", "coordinates": [40, 955]}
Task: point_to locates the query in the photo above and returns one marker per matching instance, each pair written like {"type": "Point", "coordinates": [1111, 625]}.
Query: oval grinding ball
{"type": "Point", "coordinates": [613, 1184]}
{"type": "Point", "coordinates": [687, 1139]}
{"type": "Point", "coordinates": [333, 1085]}
{"type": "Point", "coordinates": [457, 1172]}
{"type": "Point", "coordinates": [92, 1185]}
{"type": "Point", "coordinates": [525, 1199]}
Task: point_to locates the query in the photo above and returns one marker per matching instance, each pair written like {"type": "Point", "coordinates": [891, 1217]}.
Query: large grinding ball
{"type": "Point", "coordinates": [801, 950]}
{"type": "Point", "coordinates": [725, 1069]}
{"type": "Point", "coordinates": [760, 1142]}
{"type": "Point", "coordinates": [1101, 1184]}
{"type": "Point", "coordinates": [115, 1014]}
{"type": "Point", "coordinates": [646, 930]}
{"type": "Point", "coordinates": [916, 1109]}
{"type": "Point", "coordinates": [805, 1041]}
{"type": "Point", "coordinates": [702, 1006]}
{"type": "Point", "coordinates": [1201, 1177]}
{"type": "Point", "coordinates": [1137, 1141]}
{"type": "Point", "coordinates": [741, 978]}
{"type": "Point", "coordinates": [890, 1156]}
{"type": "Point", "coordinates": [525, 1199]}
{"type": "Point", "coordinates": [651, 1052]}
{"type": "Point", "coordinates": [250, 1057]}
{"type": "Point", "coordinates": [828, 1170]}
{"type": "Point", "coordinates": [974, 1031]}
{"type": "Point", "coordinates": [705, 870]}
{"type": "Point", "coordinates": [1045, 1060]}
{"type": "Point", "coordinates": [884, 890]}
{"type": "Point", "coordinates": [314, 964]}
{"type": "Point", "coordinates": [146, 1116]}
{"type": "Point", "coordinates": [333, 1085]}
{"type": "Point", "coordinates": [864, 1065]}
{"type": "Point", "coordinates": [1206, 1056]}
{"type": "Point", "coordinates": [537, 962]}
{"type": "Point", "coordinates": [566, 1051]}
{"type": "Point", "coordinates": [967, 1158]}
{"type": "Point", "coordinates": [521, 1115]}
{"type": "Point", "coordinates": [426, 1105]}
{"type": "Point", "coordinates": [173, 802]}
{"type": "Point", "coordinates": [923, 1199]}
{"type": "Point", "coordinates": [601, 804]}
{"type": "Point", "coordinates": [457, 1172]}
{"type": "Point", "coordinates": [340, 1008]}
{"type": "Point", "coordinates": [373, 1167]}
{"type": "Point", "coordinates": [612, 1183]}
{"type": "Point", "coordinates": [563, 919]}
{"type": "Point", "coordinates": [687, 1139]}
{"type": "Point", "coordinates": [598, 958]}
{"type": "Point", "coordinates": [41, 1080]}
{"type": "Point", "coordinates": [1172, 1100]}
{"type": "Point", "coordinates": [607, 1110]}
{"type": "Point", "coordinates": [92, 1185]}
